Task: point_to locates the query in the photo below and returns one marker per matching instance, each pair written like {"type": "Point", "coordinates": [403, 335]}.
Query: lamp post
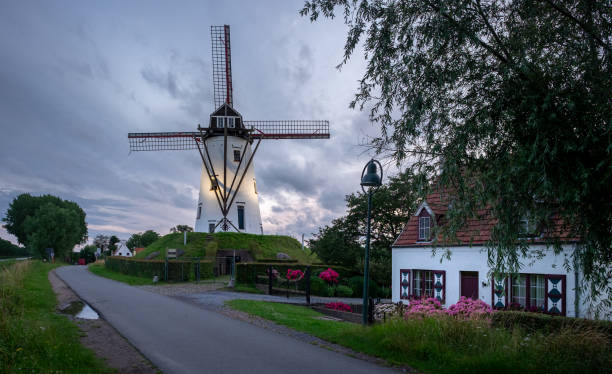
{"type": "Point", "coordinates": [372, 180]}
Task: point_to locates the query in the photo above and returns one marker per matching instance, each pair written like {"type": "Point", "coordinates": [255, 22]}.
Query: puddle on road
{"type": "Point", "coordinates": [80, 310]}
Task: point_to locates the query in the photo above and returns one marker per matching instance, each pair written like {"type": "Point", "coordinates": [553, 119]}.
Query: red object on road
{"type": "Point", "coordinates": [81, 261]}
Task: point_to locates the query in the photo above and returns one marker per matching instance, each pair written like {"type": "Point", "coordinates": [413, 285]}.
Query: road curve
{"type": "Point", "coordinates": [181, 338]}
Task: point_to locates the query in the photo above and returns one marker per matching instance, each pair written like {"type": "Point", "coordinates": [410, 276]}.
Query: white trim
{"type": "Point", "coordinates": [425, 206]}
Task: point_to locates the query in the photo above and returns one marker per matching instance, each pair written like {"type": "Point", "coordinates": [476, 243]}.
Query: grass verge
{"type": "Point", "coordinates": [33, 338]}
{"type": "Point", "coordinates": [101, 270]}
{"type": "Point", "coordinates": [447, 345]}
{"type": "Point", "coordinates": [246, 288]}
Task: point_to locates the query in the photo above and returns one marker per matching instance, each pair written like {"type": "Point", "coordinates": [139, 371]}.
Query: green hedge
{"type": "Point", "coordinates": [548, 323]}
{"type": "Point", "coordinates": [177, 270]}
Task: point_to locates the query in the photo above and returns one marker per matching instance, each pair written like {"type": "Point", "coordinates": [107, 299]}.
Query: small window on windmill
{"type": "Point", "coordinates": [214, 184]}
{"type": "Point", "coordinates": [236, 155]}
{"type": "Point", "coordinates": [199, 211]}
{"type": "Point", "coordinates": [211, 228]}
{"type": "Point", "coordinates": [219, 122]}
{"type": "Point", "coordinates": [255, 186]}
{"type": "Point", "coordinates": [241, 217]}
{"type": "Point", "coordinates": [230, 122]}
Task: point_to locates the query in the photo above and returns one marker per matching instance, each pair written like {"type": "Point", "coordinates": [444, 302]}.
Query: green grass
{"type": "Point", "coordinates": [33, 338]}
{"type": "Point", "coordinates": [101, 270]}
{"type": "Point", "coordinates": [246, 288]}
{"type": "Point", "coordinates": [447, 345]}
{"type": "Point", "coordinates": [261, 246]}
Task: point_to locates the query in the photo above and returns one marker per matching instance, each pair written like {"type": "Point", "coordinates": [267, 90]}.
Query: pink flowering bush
{"type": "Point", "coordinates": [424, 308]}
{"type": "Point", "coordinates": [295, 274]}
{"type": "Point", "coordinates": [275, 274]}
{"type": "Point", "coordinates": [467, 308]}
{"type": "Point", "coordinates": [329, 276]}
{"type": "Point", "coordinates": [339, 306]}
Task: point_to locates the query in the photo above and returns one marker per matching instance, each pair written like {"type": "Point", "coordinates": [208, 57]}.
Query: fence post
{"type": "Point", "coordinates": [269, 279]}
{"type": "Point", "coordinates": [307, 287]}
{"type": "Point", "coordinates": [370, 311]}
{"type": "Point", "coordinates": [287, 288]}
{"type": "Point", "coordinates": [166, 269]}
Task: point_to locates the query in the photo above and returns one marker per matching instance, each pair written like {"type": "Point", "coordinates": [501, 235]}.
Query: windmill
{"type": "Point", "coordinates": [228, 192]}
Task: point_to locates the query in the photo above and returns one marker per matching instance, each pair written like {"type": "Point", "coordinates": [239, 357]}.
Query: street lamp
{"type": "Point", "coordinates": [372, 180]}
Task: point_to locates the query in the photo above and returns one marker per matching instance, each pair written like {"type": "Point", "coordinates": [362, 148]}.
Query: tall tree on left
{"type": "Point", "coordinates": [46, 221]}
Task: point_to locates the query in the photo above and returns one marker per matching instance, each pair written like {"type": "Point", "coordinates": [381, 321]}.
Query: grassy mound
{"type": "Point", "coordinates": [201, 244]}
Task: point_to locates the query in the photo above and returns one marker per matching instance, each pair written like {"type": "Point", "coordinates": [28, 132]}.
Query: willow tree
{"type": "Point", "coordinates": [506, 103]}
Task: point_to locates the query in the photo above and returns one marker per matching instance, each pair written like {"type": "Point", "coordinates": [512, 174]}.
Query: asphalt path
{"type": "Point", "coordinates": [179, 337]}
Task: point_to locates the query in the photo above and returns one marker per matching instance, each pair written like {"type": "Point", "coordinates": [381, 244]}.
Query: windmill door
{"type": "Point", "coordinates": [469, 284]}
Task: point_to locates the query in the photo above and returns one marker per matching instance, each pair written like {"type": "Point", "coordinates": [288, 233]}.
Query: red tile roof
{"type": "Point", "coordinates": [477, 231]}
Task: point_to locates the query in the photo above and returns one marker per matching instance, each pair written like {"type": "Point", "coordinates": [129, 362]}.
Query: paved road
{"type": "Point", "coordinates": [181, 338]}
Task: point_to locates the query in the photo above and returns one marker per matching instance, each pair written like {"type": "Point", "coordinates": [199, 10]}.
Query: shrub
{"type": "Point", "coordinates": [295, 274]}
{"type": "Point", "coordinates": [384, 311]}
{"type": "Point", "coordinates": [339, 306]}
{"type": "Point", "coordinates": [344, 291]}
{"type": "Point", "coordinates": [424, 308]}
{"type": "Point", "coordinates": [547, 323]}
{"type": "Point", "coordinates": [177, 270]}
{"type": "Point", "coordinates": [318, 287]}
{"type": "Point", "coordinates": [329, 276]}
{"type": "Point", "coordinates": [467, 308]}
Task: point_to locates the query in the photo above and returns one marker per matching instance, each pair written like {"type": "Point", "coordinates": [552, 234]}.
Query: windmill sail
{"type": "Point", "coordinates": [222, 65]}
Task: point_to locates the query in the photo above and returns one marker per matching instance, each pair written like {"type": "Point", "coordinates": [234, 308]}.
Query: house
{"type": "Point", "coordinates": [543, 283]}
{"type": "Point", "coordinates": [123, 251]}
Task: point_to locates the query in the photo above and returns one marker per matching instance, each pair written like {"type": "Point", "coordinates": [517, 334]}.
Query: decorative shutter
{"type": "Point", "coordinates": [500, 292]}
{"type": "Point", "coordinates": [404, 284]}
{"type": "Point", "coordinates": [439, 285]}
{"type": "Point", "coordinates": [555, 294]}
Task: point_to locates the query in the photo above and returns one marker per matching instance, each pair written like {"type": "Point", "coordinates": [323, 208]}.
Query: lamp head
{"type": "Point", "coordinates": [371, 177]}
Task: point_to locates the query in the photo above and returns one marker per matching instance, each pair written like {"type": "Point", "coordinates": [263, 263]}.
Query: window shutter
{"type": "Point", "coordinates": [439, 285]}
{"type": "Point", "coordinates": [404, 284]}
{"type": "Point", "coordinates": [499, 290]}
{"type": "Point", "coordinates": [555, 294]}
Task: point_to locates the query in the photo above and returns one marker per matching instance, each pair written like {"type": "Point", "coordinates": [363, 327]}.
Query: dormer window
{"type": "Point", "coordinates": [223, 121]}
{"type": "Point", "coordinates": [424, 227]}
{"type": "Point", "coordinates": [528, 227]}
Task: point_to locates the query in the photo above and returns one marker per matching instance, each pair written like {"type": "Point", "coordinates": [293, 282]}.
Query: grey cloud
{"type": "Point", "coordinates": [164, 80]}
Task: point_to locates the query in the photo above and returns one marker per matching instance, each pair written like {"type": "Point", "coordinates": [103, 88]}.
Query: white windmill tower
{"type": "Point", "coordinates": [228, 190]}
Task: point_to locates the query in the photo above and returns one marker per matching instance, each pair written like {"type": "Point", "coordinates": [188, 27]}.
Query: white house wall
{"type": "Point", "coordinates": [475, 259]}
{"type": "Point", "coordinates": [246, 196]}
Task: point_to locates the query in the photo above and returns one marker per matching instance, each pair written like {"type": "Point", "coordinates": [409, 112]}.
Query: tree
{"type": "Point", "coordinates": [337, 244]}
{"type": "Point", "coordinates": [181, 229]}
{"type": "Point", "coordinates": [46, 221]}
{"type": "Point", "coordinates": [8, 249]}
{"type": "Point", "coordinates": [142, 239]}
{"type": "Point", "coordinates": [112, 243]}
{"type": "Point", "coordinates": [343, 241]}
{"type": "Point", "coordinates": [506, 104]}
{"type": "Point", "coordinates": [102, 241]}
{"type": "Point", "coordinates": [89, 253]}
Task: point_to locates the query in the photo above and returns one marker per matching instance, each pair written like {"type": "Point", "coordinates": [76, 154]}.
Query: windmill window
{"type": "Point", "coordinates": [230, 122]}
{"type": "Point", "coordinates": [236, 155]}
{"type": "Point", "coordinates": [199, 211]}
{"type": "Point", "coordinates": [424, 228]}
{"type": "Point", "coordinates": [211, 228]}
{"type": "Point", "coordinates": [255, 186]}
{"type": "Point", "coordinates": [213, 184]}
{"type": "Point", "coordinates": [240, 217]}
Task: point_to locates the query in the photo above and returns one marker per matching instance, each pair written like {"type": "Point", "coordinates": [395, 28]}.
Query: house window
{"type": "Point", "coordinates": [422, 283]}
{"type": "Point", "coordinates": [529, 291]}
{"type": "Point", "coordinates": [236, 155]}
{"type": "Point", "coordinates": [199, 211]}
{"type": "Point", "coordinates": [537, 291]}
{"type": "Point", "coordinates": [528, 227]}
{"type": "Point", "coordinates": [211, 227]}
{"type": "Point", "coordinates": [519, 290]}
{"type": "Point", "coordinates": [424, 228]}
{"type": "Point", "coordinates": [240, 217]}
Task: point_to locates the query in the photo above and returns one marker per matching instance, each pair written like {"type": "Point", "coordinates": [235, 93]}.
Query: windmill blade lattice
{"type": "Point", "coordinates": [222, 65]}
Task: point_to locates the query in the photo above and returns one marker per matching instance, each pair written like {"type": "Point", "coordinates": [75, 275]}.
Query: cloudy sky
{"type": "Point", "coordinates": [76, 77]}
